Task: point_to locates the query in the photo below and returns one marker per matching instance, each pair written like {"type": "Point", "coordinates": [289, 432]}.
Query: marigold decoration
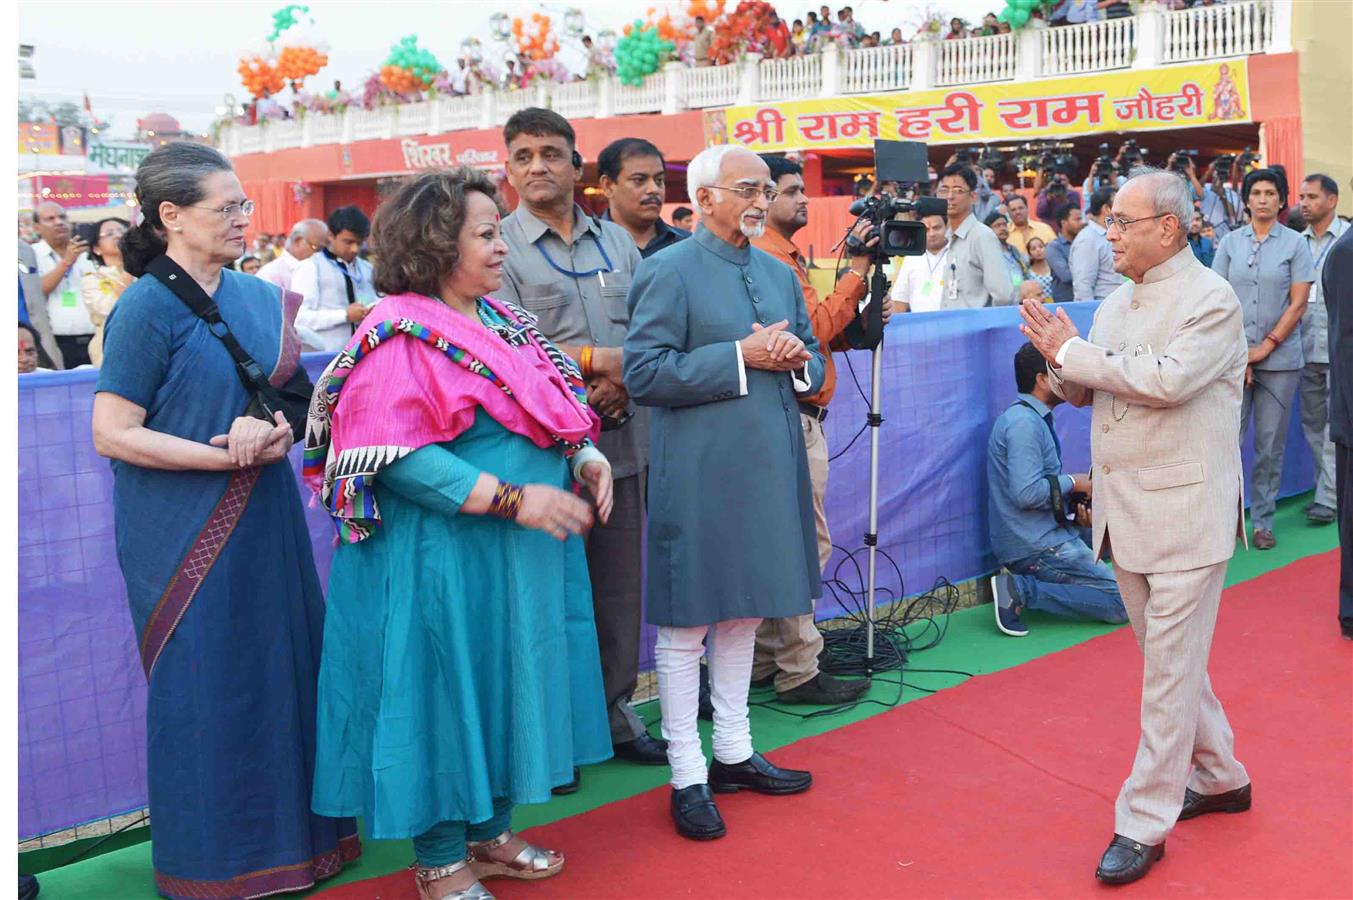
{"type": "Point", "coordinates": [745, 30]}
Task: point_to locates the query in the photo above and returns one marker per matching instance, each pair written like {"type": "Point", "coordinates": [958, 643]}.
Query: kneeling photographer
{"type": "Point", "coordinates": [1036, 514]}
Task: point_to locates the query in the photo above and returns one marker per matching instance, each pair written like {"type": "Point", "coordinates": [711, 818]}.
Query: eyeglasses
{"type": "Point", "coordinates": [1123, 223]}
{"type": "Point", "coordinates": [952, 191]}
{"type": "Point", "coordinates": [231, 210]}
{"type": "Point", "coordinates": [1254, 253]}
{"type": "Point", "coordinates": [748, 192]}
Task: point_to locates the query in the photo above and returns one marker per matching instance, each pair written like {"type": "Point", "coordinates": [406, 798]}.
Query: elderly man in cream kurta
{"type": "Point", "coordinates": [1164, 367]}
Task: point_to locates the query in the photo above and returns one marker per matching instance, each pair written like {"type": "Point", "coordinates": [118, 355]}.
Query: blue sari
{"type": "Point", "coordinates": [227, 605]}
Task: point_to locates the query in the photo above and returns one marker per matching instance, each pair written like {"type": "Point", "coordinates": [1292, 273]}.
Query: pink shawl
{"type": "Point", "coordinates": [434, 369]}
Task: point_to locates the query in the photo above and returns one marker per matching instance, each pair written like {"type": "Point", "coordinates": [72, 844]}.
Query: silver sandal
{"type": "Point", "coordinates": [531, 863]}
{"type": "Point", "coordinates": [425, 876]}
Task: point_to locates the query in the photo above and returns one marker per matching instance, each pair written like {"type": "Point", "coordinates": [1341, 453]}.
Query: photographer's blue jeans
{"type": "Point", "coordinates": [1067, 581]}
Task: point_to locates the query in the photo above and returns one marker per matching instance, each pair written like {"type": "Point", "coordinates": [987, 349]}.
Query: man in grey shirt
{"type": "Point", "coordinates": [573, 272]}
{"type": "Point", "coordinates": [977, 274]}
{"type": "Point", "coordinates": [1319, 197]}
{"type": "Point", "coordinates": [1092, 274]}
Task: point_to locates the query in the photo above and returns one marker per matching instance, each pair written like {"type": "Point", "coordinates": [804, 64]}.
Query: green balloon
{"type": "Point", "coordinates": [1018, 18]}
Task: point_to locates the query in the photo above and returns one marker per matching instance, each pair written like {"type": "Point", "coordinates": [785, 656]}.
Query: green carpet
{"type": "Point", "coordinates": [971, 645]}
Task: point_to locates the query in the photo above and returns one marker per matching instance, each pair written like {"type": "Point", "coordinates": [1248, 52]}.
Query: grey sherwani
{"type": "Point", "coordinates": [731, 533]}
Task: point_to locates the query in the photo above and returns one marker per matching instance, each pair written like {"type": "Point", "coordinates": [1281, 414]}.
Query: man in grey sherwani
{"type": "Point", "coordinates": [720, 346]}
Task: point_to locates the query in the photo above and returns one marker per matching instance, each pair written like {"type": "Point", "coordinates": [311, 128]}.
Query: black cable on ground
{"type": "Point", "coordinates": [102, 840]}
{"type": "Point", "coordinates": [904, 627]}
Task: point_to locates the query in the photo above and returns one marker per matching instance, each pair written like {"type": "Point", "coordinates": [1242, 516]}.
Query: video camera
{"type": "Point", "coordinates": [982, 157]}
{"type": "Point", "coordinates": [1180, 161]}
{"type": "Point", "coordinates": [902, 162]}
{"type": "Point", "coordinates": [1132, 154]}
{"type": "Point", "coordinates": [906, 164]}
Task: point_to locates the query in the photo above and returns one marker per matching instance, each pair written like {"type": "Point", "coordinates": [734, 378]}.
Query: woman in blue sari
{"type": "Point", "coordinates": [212, 543]}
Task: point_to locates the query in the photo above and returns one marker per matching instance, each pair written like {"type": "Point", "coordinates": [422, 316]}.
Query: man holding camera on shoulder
{"type": "Point", "coordinates": [1036, 514]}
{"type": "Point", "coordinates": [1220, 200]}
{"type": "Point", "coordinates": [788, 649]}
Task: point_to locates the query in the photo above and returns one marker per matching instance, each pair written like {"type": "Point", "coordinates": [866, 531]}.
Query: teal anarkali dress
{"type": "Point", "coordinates": [460, 659]}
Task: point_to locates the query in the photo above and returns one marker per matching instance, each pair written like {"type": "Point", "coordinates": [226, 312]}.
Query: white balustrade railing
{"type": "Point", "coordinates": [249, 140]}
{"type": "Point", "coordinates": [284, 134]}
{"type": "Point", "coordinates": [509, 102]}
{"type": "Point", "coordinates": [413, 118]}
{"type": "Point", "coordinates": [461, 113]}
{"type": "Point", "coordinates": [709, 86]}
{"type": "Point", "coordinates": [1091, 47]}
{"type": "Point", "coordinates": [796, 78]}
{"type": "Point", "coordinates": [1207, 32]}
{"type": "Point", "coordinates": [1151, 38]}
{"type": "Point", "coordinates": [370, 124]}
{"type": "Point", "coordinates": [976, 60]}
{"type": "Point", "coordinates": [647, 97]}
{"type": "Point", "coordinates": [875, 69]}
{"type": "Point", "coordinates": [574, 100]}
{"type": "Point", "coordinates": [324, 129]}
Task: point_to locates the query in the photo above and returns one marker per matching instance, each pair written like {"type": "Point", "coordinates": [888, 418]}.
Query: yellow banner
{"type": "Point", "coordinates": [1214, 93]}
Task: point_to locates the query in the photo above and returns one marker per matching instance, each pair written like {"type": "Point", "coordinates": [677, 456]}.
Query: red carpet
{"type": "Point", "coordinates": [1004, 786]}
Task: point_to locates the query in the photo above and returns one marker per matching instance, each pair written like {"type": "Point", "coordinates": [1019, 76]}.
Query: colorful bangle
{"type": "Point", "coordinates": [1274, 338]}
{"type": "Point", "coordinates": [506, 501]}
{"type": "Point", "coordinates": [585, 361]}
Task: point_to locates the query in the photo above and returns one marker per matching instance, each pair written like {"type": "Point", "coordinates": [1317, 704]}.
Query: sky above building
{"type": "Point", "coordinates": [133, 58]}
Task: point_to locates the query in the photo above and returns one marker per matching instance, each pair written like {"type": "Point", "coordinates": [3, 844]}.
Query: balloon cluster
{"type": "Point", "coordinates": [1017, 12]}
{"type": "Point", "coordinates": [709, 10]}
{"type": "Point", "coordinates": [260, 76]}
{"type": "Point", "coordinates": [534, 39]}
{"type": "Point", "coordinates": [409, 68]}
{"type": "Point", "coordinates": [299, 63]}
{"type": "Point", "coordinates": [285, 18]}
{"type": "Point", "coordinates": [640, 52]}
{"type": "Point", "coordinates": [744, 30]}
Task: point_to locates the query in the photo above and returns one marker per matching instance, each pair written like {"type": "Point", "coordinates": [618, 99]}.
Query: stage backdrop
{"type": "Point", "coordinates": [946, 376]}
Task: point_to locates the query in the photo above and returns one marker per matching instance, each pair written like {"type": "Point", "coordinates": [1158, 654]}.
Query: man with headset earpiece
{"type": "Point", "coordinates": [573, 271]}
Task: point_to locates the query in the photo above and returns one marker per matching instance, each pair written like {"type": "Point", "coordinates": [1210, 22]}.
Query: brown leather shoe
{"type": "Point", "coordinates": [1264, 540]}
{"type": "Point", "coordinates": [1196, 804]}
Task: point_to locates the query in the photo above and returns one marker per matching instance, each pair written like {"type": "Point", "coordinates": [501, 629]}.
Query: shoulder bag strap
{"type": "Point", "coordinates": [255, 380]}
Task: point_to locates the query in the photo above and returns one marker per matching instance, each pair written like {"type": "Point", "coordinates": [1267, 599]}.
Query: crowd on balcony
{"type": "Point", "coordinates": [769, 37]}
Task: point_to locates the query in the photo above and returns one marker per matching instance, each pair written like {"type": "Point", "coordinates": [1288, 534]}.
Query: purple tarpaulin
{"type": "Point", "coordinates": [946, 376]}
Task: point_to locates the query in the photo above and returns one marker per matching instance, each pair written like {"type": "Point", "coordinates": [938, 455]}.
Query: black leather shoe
{"type": "Point", "coordinates": [571, 787]}
{"type": "Point", "coordinates": [695, 814]}
{"type": "Point", "coordinates": [1127, 860]}
{"type": "Point", "coordinates": [644, 749]}
{"type": "Point", "coordinates": [28, 887]}
{"type": "Point", "coordinates": [1196, 804]}
{"type": "Point", "coordinates": [768, 681]}
{"type": "Point", "coordinates": [757, 773]}
{"type": "Point", "coordinates": [825, 690]}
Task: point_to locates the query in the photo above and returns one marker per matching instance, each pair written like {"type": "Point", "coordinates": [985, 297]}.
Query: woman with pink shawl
{"type": "Point", "coordinates": [460, 673]}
